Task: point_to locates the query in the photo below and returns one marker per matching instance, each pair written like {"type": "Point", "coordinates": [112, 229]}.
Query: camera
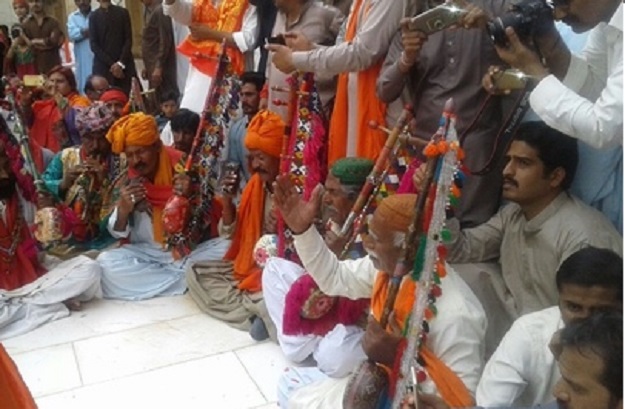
{"type": "Point", "coordinates": [526, 17]}
{"type": "Point", "coordinates": [436, 19]}
{"type": "Point", "coordinates": [16, 32]}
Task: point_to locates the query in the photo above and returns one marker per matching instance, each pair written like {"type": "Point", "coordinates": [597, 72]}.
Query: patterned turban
{"type": "Point", "coordinates": [114, 95]}
{"type": "Point", "coordinates": [94, 118]}
{"type": "Point", "coordinates": [352, 171]}
{"type": "Point", "coordinates": [396, 211]}
{"type": "Point", "coordinates": [265, 133]}
{"type": "Point", "coordinates": [136, 129]}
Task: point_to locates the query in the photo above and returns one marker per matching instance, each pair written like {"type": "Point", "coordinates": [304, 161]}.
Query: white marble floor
{"type": "Point", "coordinates": [160, 353]}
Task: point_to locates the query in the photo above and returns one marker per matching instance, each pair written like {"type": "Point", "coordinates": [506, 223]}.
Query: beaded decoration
{"type": "Point", "coordinates": [429, 265]}
{"type": "Point", "coordinates": [222, 109]}
{"type": "Point", "coordinates": [305, 156]}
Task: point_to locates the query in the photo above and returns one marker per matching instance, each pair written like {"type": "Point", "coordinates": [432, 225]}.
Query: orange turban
{"type": "Point", "coordinates": [136, 129]}
{"type": "Point", "coordinates": [265, 133]}
{"type": "Point", "coordinates": [396, 211]}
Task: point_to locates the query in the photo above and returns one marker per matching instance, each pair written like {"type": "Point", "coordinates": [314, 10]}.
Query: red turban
{"type": "Point", "coordinates": [265, 133]}
{"type": "Point", "coordinates": [114, 95]}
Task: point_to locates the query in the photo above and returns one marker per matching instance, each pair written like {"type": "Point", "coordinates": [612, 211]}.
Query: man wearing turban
{"type": "Point", "coordinates": [116, 100]}
{"type": "Point", "coordinates": [452, 352]}
{"type": "Point", "coordinates": [81, 177]}
{"type": "Point", "coordinates": [31, 292]}
{"type": "Point", "coordinates": [232, 292]}
{"type": "Point", "coordinates": [144, 268]}
{"type": "Point", "coordinates": [307, 320]}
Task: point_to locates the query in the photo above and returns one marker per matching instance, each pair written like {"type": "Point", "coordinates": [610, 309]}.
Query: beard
{"type": "Point", "coordinates": [8, 188]}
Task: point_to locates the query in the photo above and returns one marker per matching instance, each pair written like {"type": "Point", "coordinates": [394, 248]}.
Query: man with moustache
{"type": "Point", "coordinates": [33, 290]}
{"type": "Point", "coordinates": [45, 35]}
{"type": "Point", "coordinates": [541, 227]}
{"type": "Point", "coordinates": [184, 126]}
{"type": "Point", "coordinates": [116, 100]}
{"type": "Point", "coordinates": [95, 86]}
{"type": "Point", "coordinates": [81, 177]}
{"type": "Point", "coordinates": [143, 268]}
{"type": "Point", "coordinates": [235, 151]}
{"type": "Point", "coordinates": [231, 289]}
{"type": "Point", "coordinates": [331, 336]}
{"type": "Point", "coordinates": [590, 359]}
{"type": "Point", "coordinates": [456, 334]}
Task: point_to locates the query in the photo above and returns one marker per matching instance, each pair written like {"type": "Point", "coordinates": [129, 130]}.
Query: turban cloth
{"type": "Point", "coordinates": [265, 133]}
{"type": "Point", "coordinates": [352, 171]}
{"type": "Point", "coordinates": [136, 129]}
{"type": "Point", "coordinates": [396, 211]}
{"type": "Point", "coordinates": [114, 95]}
{"type": "Point", "coordinates": [22, 3]}
{"type": "Point", "coordinates": [95, 118]}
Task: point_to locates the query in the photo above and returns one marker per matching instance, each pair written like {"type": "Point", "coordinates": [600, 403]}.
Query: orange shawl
{"type": "Point", "coordinates": [228, 18]}
{"type": "Point", "coordinates": [248, 231]}
{"type": "Point", "coordinates": [14, 392]}
{"type": "Point", "coordinates": [24, 267]}
{"type": "Point", "coordinates": [78, 101]}
{"type": "Point", "coordinates": [46, 115]}
{"type": "Point", "coordinates": [449, 385]}
{"type": "Point", "coordinates": [162, 189]}
{"type": "Point", "coordinates": [370, 108]}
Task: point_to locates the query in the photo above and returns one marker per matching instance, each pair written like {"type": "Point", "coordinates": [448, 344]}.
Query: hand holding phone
{"type": "Point", "coordinates": [436, 19]}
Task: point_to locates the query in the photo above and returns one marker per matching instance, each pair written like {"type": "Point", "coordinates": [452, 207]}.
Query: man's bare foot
{"type": "Point", "coordinates": [73, 305]}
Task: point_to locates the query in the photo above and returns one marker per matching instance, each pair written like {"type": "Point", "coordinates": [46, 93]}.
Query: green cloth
{"type": "Point", "coordinates": [352, 171]}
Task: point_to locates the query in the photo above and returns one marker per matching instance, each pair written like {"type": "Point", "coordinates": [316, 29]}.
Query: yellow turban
{"type": "Point", "coordinates": [136, 129]}
{"type": "Point", "coordinates": [265, 133]}
{"type": "Point", "coordinates": [396, 212]}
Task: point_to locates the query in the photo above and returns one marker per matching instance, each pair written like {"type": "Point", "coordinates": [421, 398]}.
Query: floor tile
{"type": "Point", "coordinates": [219, 381]}
{"type": "Point", "coordinates": [265, 363]}
{"type": "Point", "coordinates": [103, 317]}
{"type": "Point", "coordinates": [154, 346]}
{"type": "Point", "coordinates": [49, 370]}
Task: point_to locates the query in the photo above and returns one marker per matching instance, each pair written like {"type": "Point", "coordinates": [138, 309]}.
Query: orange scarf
{"type": "Point", "coordinates": [78, 101]}
{"type": "Point", "coordinates": [228, 18]}
{"type": "Point", "coordinates": [24, 267]}
{"type": "Point", "coordinates": [248, 231]}
{"type": "Point", "coordinates": [370, 108]}
{"type": "Point", "coordinates": [162, 189]}
{"type": "Point", "coordinates": [449, 385]}
{"type": "Point", "coordinates": [46, 114]}
{"type": "Point", "coordinates": [14, 392]}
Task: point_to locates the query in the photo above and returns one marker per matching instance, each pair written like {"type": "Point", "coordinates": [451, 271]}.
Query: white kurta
{"type": "Point", "coordinates": [522, 372]}
{"type": "Point", "coordinates": [456, 334]}
{"type": "Point", "coordinates": [198, 84]}
{"type": "Point", "coordinates": [143, 269]}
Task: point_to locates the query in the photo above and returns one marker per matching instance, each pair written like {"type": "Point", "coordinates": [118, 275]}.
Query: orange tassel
{"type": "Point", "coordinates": [455, 192]}
{"type": "Point", "coordinates": [430, 150]}
{"type": "Point", "coordinates": [443, 147]}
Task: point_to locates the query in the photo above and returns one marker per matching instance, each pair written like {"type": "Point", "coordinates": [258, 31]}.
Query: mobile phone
{"type": "Point", "coordinates": [510, 79]}
{"type": "Point", "coordinates": [34, 80]}
{"type": "Point", "coordinates": [279, 39]}
{"type": "Point", "coordinates": [231, 169]}
{"type": "Point", "coordinates": [436, 19]}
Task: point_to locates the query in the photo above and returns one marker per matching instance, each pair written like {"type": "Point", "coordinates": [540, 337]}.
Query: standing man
{"type": "Point", "coordinates": [78, 31]}
{"type": "Point", "coordinates": [211, 23]}
{"type": "Point", "coordinates": [157, 50]}
{"type": "Point", "coordinates": [110, 35]}
{"type": "Point", "coordinates": [45, 35]}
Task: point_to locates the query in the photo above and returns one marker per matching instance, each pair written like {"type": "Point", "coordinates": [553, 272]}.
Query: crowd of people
{"type": "Point", "coordinates": [525, 309]}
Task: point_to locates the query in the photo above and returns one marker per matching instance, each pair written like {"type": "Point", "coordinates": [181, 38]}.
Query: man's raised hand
{"type": "Point", "coordinates": [296, 212]}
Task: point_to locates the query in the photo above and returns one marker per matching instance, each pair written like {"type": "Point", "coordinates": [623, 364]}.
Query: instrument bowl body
{"type": "Point", "coordinates": [50, 225]}
{"type": "Point", "coordinates": [176, 214]}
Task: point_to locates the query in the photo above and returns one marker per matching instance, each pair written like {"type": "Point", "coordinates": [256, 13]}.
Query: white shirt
{"type": "Point", "coordinates": [588, 103]}
{"type": "Point", "coordinates": [522, 372]}
{"type": "Point", "coordinates": [456, 334]}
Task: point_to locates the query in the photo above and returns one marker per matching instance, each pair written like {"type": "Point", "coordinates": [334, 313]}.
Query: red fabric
{"type": "Point", "coordinates": [13, 390]}
{"type": "Point", "coordinates": [24, 268]}
{"type": "Point", "coordinates": [46, 115]}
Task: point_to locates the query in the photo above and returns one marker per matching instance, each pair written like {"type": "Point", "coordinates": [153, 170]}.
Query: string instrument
{"type": "Point", "coordinates": [376, 177]}
{"type": "Point", "coordinates": [136, 97]}
{"type": "Point", "coordinates": [184, 221]}
{"type": "Point", "coordinates": [49, 220]}
{"type": "Point", "coordinates": [304, 141]}
{"type": "Point", "coordinates": [368, 383]}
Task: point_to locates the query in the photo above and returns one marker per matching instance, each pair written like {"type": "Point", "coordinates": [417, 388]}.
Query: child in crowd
{"type": "Point", "coordinates": [169, 107]}
{"type": "Point", "coordinates": [20, 59]}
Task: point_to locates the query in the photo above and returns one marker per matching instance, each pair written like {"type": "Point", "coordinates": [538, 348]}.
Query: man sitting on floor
{"type": "Point", "coordinates": [81, 177]}
{"type": "Point", "coordinates": [331, 334]}
{"type": "Point", "coordinates": [143, 268]}
{"type": "Point", "coordinates": [230, 290]}
{"type": "Point", "coordinates": [522, 371]}
{"type": "Point", "coordinates": [32, 293]}
{"type": "Point", "coordinates": [456, 334]}
{"type": "Point", "coordinates": [541, 227]}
